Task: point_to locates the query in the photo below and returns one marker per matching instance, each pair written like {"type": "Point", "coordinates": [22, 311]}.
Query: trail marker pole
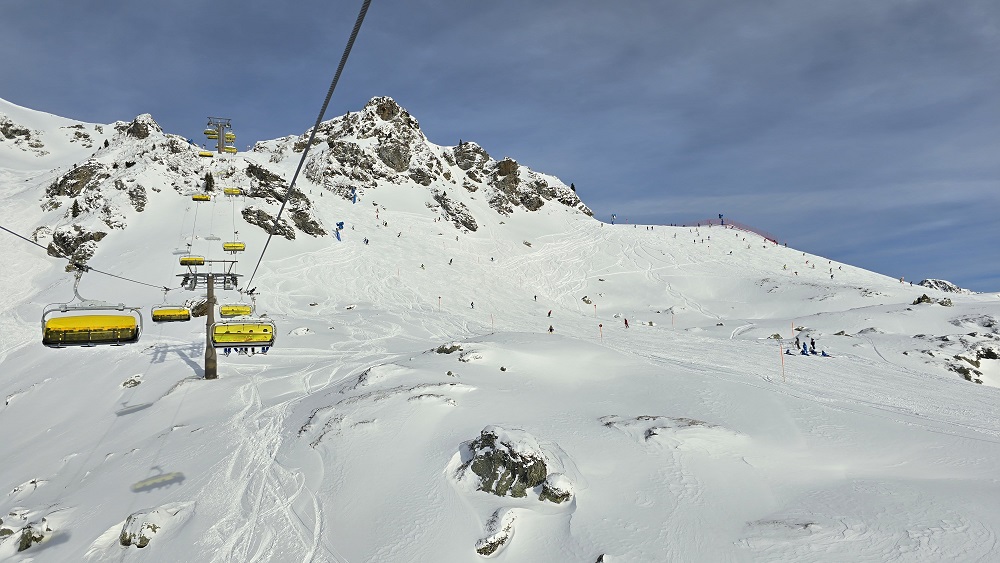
{"type": "Point", "coordinates": [439, 303]}
{"type": "Point", "coordinates": [595, 310]}
{"type": "Point", "coordinates": [600, 327]}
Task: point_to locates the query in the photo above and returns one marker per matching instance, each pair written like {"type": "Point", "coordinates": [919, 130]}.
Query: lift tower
{"type": "Point", "coordinates": [220, 130]}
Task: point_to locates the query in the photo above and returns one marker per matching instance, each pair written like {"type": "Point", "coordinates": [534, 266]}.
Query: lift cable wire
{"type": "Point", "coordinates": [312, 135]}
{"type": "Point", "coordinates": [81, 266]}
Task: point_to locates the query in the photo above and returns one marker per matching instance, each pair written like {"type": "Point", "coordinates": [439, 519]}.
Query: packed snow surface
{"type": "Point", "coordinates": [688, 436]}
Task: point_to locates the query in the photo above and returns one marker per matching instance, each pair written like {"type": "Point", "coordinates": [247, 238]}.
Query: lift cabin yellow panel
{"type": "Point", "coordinates": [208, 154]}
{"type": "Point", "coordinates": [235, 310]}
{"type": "Point", "coordinates": [232, 191]}
{"type": "Point", "coordinates": [192, 260]}
{"type": "Point", "coordinates": [229, 150]}
{"type": "Point", "coordinates": [170, 313]}
{"type": "Point", "coordinates": [211, 132]}
{"type": "Point", "coordinates": [234, 247]}
{"type": "Point", "coordinates": [252, 333]}
{"type": "Point", "coordinates": [90, 330]}
{"type": "Point", "coordinates": [201, 197]}
{"type": "Point", "coordinates": [230, 137]}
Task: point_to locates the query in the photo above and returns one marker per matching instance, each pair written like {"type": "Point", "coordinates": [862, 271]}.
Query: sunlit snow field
{"type": "Point", "coordinates": [688, 436]}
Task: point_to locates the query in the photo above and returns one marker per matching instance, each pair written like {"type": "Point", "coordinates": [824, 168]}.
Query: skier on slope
{"type": "Point", "coordinates": [551, 330]}
{"type": "Point", "coordinates": [626, 323]}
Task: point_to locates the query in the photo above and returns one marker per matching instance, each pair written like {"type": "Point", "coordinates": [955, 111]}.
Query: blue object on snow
{"type": "Point", "coordinates": [337, 233]}
{"type": "Point", "coordinates": [354, 195]}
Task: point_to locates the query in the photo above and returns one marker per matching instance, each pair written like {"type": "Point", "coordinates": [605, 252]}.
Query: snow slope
{"type": "Point", "coordinates": [686, 437]}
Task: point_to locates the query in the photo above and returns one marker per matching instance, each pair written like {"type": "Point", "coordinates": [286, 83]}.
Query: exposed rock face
{"type": "Point", "coordinates": [942, 285]}
{"type": "Point", "coordinates": [88, 175]}
{"type": "Point", "coordinates": [141, 527]}
{"type": "Point", "coordinates": [383, 142]}
{"type": "Point", "coordinates": [272, 187]}
{"type": "Point", "coordinates": [140, 127]}
{"type": "Point", "coordinates": [506, 461]}
{"type": "Point", "coordinates": [264, 220]}
{"type": "Point", "coordinates": [456, 211]}
{"type": "Point", "coordinates": [499, 531]}
{"type": "Point", "coordinates": [74, 242]}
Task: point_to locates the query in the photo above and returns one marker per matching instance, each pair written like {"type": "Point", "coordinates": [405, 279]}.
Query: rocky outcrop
{"type": "Point", "coordinates": [140, 127]}
{"type": "Point", "coordinates": [87, 176]}
{"type": "Point", "coordinates": [264, 220]}
{"type": "Point", "coordinates": [455, 211]}
{"type": "Point", "coordinates": [507, 462]}
{"type": "Point", "coordinates": [942, 285]}
{"type": "Point", "coordinates": [74, 242]}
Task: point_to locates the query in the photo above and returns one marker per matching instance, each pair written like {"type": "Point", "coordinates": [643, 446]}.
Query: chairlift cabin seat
{"type": "Point", "coordinates": [211, 132]}
{"type": "Point", "coordinates": [192, 260]}
{"type": "Point", "coordinates": [201, 197]}
{"type": "Point", "coordinates": [101, 325]}
{"type": "Point", "coordinates": [170, 313]}
{"type": "Point", "coordinates": [229, 150]}
{"type": "Point", "coordinates": [230, 137]}
{"type": "Point", "coordinates": [246, 333]}
{"type": "Point", "coordinates": [235, 310]}
{"type": "Point", "coordinates": [234, 246]}
{"type": "Point", "coordinates": [232, 191]}
{"type": "Point", "coordinates": [208, 154]}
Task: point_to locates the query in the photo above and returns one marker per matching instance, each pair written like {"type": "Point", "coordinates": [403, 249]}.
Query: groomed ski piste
{"type": "Point", "coordinates": [688, 436]}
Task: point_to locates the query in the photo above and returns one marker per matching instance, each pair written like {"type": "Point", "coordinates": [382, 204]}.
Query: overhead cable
{"type": "Point", "coordinates": [312, 134]}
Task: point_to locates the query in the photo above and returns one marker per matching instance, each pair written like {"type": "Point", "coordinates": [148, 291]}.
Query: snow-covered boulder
{"type": "Point", "coordinates": [506, 461]}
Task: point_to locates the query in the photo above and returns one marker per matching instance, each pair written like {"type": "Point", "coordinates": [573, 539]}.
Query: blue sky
{"type": "Point", "coordinates": [867, 132]}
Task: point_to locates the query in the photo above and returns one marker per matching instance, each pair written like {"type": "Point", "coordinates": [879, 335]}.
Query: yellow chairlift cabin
{"type": "Point", "coordinates": [229, 150]}
{"type": "Point", "coordinates": [230, 137]}
{"type": "Point", "coordinates": [191, 260]}
{"type": "Point", "coordinates": [170, 313]}
{"type": "Point", "coordinates": [208, 154]}
{"type": "Point", "coordinates": [234, 246]}
{"type": "Point", "coordinates": [243, 333]}
{"type": "Point", "coordinates": [211, 132]}
{"type": "Point", "coordinates": [213, 136]}
{"type": "Point", "coordinates": [232, 191]}
{"type": "Point", "coordinates": [201, 197]}
{"type": "Point", "coordinates": [235, 310]}
{"type": "Point", "coordinates": [89, 323]}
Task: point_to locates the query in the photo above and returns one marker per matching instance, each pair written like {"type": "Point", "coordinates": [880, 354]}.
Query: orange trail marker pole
{"type": "Point", "coordinates": [595, 310]}
{"type": "Point", "coordinates": [439, 303]}
{"type": "Point", "coordinates": [600, 327]}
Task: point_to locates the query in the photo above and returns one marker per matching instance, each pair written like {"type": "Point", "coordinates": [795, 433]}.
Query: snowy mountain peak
{"type": "Point", "coordinates": [140, 127]}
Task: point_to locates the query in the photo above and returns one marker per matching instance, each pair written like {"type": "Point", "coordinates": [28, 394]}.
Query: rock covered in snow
{"type": "Point", "coordinates": [499, 531]}
{"type": "Point", "coordinates": [141, 527]}
{"type": "Point", "coordinates": [506, 461]}
{"type": "Point", "coordinates": [942, 285]}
